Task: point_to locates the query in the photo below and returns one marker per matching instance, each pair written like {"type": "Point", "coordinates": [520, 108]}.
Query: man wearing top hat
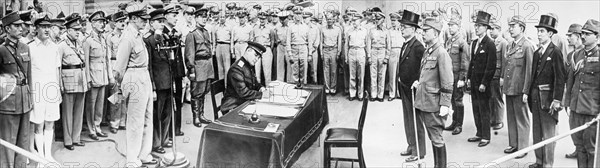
{"type": "Point", "coordinates": [241, 34]}
{"type": "Point", "coordinates": [583, 86]}
{"type": "Point", "coordinates": [200, 65]}
{"type": "Point", "coordinates": [544, 90]}
{"type": "Point", "coordinates": [297, 48]}
{"type": "Point", "coordinates": [458, 49]}
{"type": "Point", "coordinates": [75, 84]}
{"type": "Point", "coordinates": [396, 43]}
{"type": "Point", "coordinates": [264, 35]}
{"type": "Point", "coordinates": [116, 109]}
{"type": "Point", "coordinates": [132, 72]}
{"type": "Point", "coordinates": [480, 74]}
{"type": "Point", "coordinates": [173, 39]}
{"type": "Point", "coordinates": [356, 52]}
{"type": "Point", "coordinates": [242, 84]}
{"type": "Point", "coordinates": [331, 49]}
{"type": "Point", "coordinates": [516, 71]}
{"type": "Point", "coordinates": [378, 47]}
{"type": "Point", "coordinates": [160, 74]}
{"type": "Point", "coordinates": [99, 73]}
{"type": "Point", "coordinates": [434, 89]}
{"type": "Point", "coordinates": [15, 110]}
{"type": "Point", "coordinates": [408, 72]}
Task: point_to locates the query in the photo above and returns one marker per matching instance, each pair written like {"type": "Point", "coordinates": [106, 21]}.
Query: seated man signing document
{"type": "Point", "coordinates": [242, 84]}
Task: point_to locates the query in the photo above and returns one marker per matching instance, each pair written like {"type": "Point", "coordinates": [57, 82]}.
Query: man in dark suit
{"type": "Point", "coordinates": [546, 89]}
{"type": "Point", "coordinates": [480, 74]}
{"type": "Point", "coordinates": [173, 39]}
{"type": "Point", "coordinates": [242, 84]}
{"type": "Point", "coordinates": [161, 80]}
{"type": "Point", "coordinates": [583, 86]}
{"type": "Point", "coordinates": [408, 72]}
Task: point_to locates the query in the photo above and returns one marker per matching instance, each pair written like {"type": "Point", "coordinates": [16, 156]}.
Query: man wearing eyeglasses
{"type": "Point", "coordinates": [242, 84]}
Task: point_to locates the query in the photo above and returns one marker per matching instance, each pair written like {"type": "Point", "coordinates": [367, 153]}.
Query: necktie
{"type": "Point", "coordinates": [403, 48]}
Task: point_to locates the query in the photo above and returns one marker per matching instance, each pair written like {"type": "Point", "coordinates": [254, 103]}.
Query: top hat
{"type": "Point", "coordinates": [483, 18]}
{"type": "Point", "coordinates": [410, 18]}
{"type": "Point", "coordinates": [548, 22]}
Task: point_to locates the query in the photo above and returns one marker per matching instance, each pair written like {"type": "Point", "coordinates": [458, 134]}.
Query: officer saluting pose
{"type": "Point", "coordinates": [434, 89]}
{"type": "Point", "coordinates": [199, 61]}
{"type": "Point", "coordinates": [582, 86]}
{"type": "Point", "coordinates": [14, 111]}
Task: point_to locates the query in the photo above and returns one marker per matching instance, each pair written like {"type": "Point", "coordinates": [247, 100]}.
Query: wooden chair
{"type": "Point", "coordinates": [346, 137]}
{"type": "Point", "coordinates": [216, 87]}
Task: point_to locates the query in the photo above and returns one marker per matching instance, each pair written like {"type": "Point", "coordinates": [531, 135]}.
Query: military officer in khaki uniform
{"type": "Point", "coordinates": [583, 86]}
{"type": "Point", "coordinates": [241, 34]}
{"type": "Point", "coordinates": [434, 89]}
{"type": "Point", "coordinates": [281, 42]}
{"type": "Point", "coordinates": [132, 72]}
{"type": "Point", "coordinates": [458, 49]}
{"type": "Point", "coordinates": [75, 83]}
{"type": "Point", "coordinates": [98, 71]}
{"type": "Point", "coordinates": [264, 34]}
{"type": "Point", "coordinates": [116, 109]}
{"type": "Point", "coordinates": [396, 43]}
{"type": "Point", "coordinates": [223, 50]}
{"type": "Point", "coordinates": [199, 61]}
{"type": "Point", "coordinates": [496, 99]}
{"type": "Point", "coordinates": [378, 51]}
{"type": "Point", "coordinates": [297, 48]}
{"type": "Point", "coordinates": [331, 48]}
{"type": "Point", "coordinates": [15, 109]}
{"type": "Point", "coordinates": [356, 52]}
{"type": "Point", "coordinates": [314, 41]}
{"type": "Point", "coordinates": [575, 42]}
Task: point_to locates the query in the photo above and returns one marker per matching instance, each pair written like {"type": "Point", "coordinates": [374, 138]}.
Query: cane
{"type": "Point", "coordinates": [412, 94]}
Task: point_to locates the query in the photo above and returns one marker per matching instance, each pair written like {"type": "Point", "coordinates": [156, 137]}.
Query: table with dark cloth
{"type": "Point", "coordinates": [232, 141]}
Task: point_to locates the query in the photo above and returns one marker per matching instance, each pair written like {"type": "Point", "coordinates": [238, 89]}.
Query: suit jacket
{"type": "Point", "coordinates": [198, 54]}
{"type": "Point", "coordinates": [241, 85]}
{"type": "Point", "coordinates": [21, 101]}
{"type": "Point", "coordinates": [409, 64]}
{"type": "Point", "coordinates": [548, 76]}
{"type": "Point", "coordinates": [483, 62]}
{"type": "Point", "coordinates": [436, 80]}
{"type": "Point", "coordinates": [583, 84]}
{"type": "Point", "coordinates": [159, 61]}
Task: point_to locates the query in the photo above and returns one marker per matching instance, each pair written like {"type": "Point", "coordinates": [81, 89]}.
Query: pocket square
{"type": "Point", "coordinates": [548, 59]}
{"type": "Point", "coordinates": [482, 51]}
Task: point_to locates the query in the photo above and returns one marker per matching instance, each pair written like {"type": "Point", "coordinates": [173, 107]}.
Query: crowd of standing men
{"type": "Point", "coordinates": [141, 58]}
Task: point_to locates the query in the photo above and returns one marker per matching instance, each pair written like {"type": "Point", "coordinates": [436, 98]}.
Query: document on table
{"type": "Point", "coordinates": [271, 110]}
{"type": "Point", "coordinates": [285, 94]}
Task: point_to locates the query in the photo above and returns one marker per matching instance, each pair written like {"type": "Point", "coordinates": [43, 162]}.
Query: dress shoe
{"type": "Point", "coordinates": [101, 134]}
{"type": "Point", "coordinates": [380, 99]}
{"type": "Point", "coordinates": [450, 127]}
{"type": "Point", "coordinates": [535, 165]}
{"type": "Point", "coordinates": [159, 150]}
{"type": "Point", "coordinates": [521, 156]}
{"type": "Point", "coordinates": [94, 137]}
{"type": "Point", "coordinates": [78, 144]}
{"type": "Point", "coordinates": [372, 99]}
{"type": "Point", "coordinates": [179, 133]}
{"type": "Point", "coordinates": [168, 144]}
{"type": "Point", "coordinates": [70, 147]}
{"type": "Point", "coordinates": [484, 142]}
{"type": "Point", "coordinates": [360, 99]}
{"type": "Point", "coordinates": [413, 158]}
{"type": "Point", "coordinates": [121, 127]}
{"type": "Point", "coordinates": [113, 130]}
{"type": "Point", "coordinates": [457, 130]}
{"type": "Point", "coordinates": [474, 139]}
{"type": "Point", "coordinates": [572, 155]}
{"type": "Point", "coordinates": [406, 153]}
{"type": "Point", "coordinates": [391, 99]}
{"type": "Point", "coordinates": [203, 119]}
{"type": "Point", "coordinates": [510, 149]}
{"type": "Point", "coordinates": [351, 98]}
{"type": "Point", "coordinates": [151, 162]}
{"type": "Point", "coordinates": [498, 126]}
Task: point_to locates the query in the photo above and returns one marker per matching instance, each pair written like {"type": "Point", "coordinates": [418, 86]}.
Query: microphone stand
{"type": "Point", "coordinates": [299, 84]}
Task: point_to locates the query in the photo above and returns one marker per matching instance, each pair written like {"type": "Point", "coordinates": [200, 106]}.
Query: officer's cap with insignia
{"type": "Point", "coordinates": [42, 21]}
{"type": "Point", "coordinates": [520, 20]}
{"type": "Point", "coordinates": [26, 17]}
{"type": "Point", "coordinates": [157, 14]}
{"type": "Point", "coordinates": [262, 15]}
{"type": "Point", "coordinates": [495, 23]}
{"type": "Point", "coordinates": [120, 15]}
{"type": "Point", "coordinates": [432, 23]}
{"type": "Point", "coordinates": [379, 15]}
{"type": "Point", "coordinates": [98, 15]}
{"type": "Point", "coordinates": [202, 12]}
{"type": "Point", "coordinates": [297, 10]}
{"type": "Point", "coordinates": [190, 10]}
{"type": "Point", "coordinates": [58, 22]}
{"type": "Point", "coordinates": [257, 7]}
{"type": "Point", "coordinates": [242, 14]}
{"type": "Point", "coordinates": [172, 8]}
{"type": "Point", "coordinates": [137, 10]}
{"type": "Point", "coordinates": [395, 15]}
{"type": "Point", "coordinates": [259, 48]}
{"type": "Point", "coordinates": [214, 10]}
{"type": "Point", "coordinates": [591, 26]}
{"type": "Point", "coordinates": [12, 18]}
{"type": "Point", "coordinates": [231, 5]}
{"type": "Point", "coordinates": [454, 20]}
{"type": "Point", "coordinates": [574, 29]}
{"type": "Point", "coordinates": [73, 23]}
